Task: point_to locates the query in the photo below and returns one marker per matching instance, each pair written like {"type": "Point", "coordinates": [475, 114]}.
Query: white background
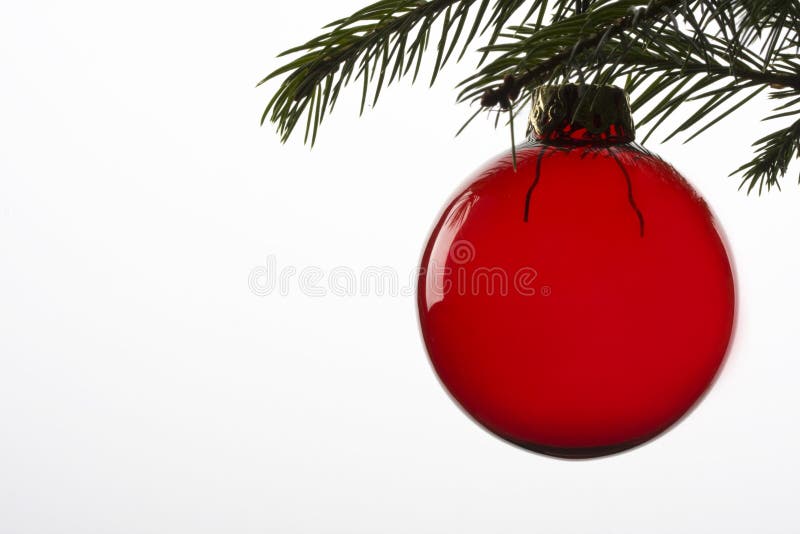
{"type": "Point", "coordinates": [145, 389]}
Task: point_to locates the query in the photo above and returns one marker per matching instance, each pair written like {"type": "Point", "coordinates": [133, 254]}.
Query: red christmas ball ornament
{"type": "Point", "coordinates": [581, 304]}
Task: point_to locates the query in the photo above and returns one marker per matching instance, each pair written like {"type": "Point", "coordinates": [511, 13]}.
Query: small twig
{"type": "Point", "coordinates": [631, 200]}
{"type": "Point", "coordinates": [534, 184]}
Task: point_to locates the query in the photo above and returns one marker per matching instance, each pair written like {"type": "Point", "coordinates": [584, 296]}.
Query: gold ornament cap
{"type": "Point", "coordinates": [581, 114]}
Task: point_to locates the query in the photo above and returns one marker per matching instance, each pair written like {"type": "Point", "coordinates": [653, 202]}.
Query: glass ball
{"type": "Point", "coordinates": [578, 305]}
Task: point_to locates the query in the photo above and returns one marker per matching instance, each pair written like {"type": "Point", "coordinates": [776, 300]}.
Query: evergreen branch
{"type": "Point", "coordinates": [387, 38]}
{"type": "Point", "coordinates": [716, 54]}
{"type": "Point", "coordinates": [544, 70]}
{"type": "Point", "coordinates": [773, 155]}
{"type": "Point", "coordinates": [649, 44]}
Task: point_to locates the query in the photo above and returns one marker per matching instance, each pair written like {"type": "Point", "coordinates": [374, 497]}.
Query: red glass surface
{"type": "Point", "coordinates": [593, 326]}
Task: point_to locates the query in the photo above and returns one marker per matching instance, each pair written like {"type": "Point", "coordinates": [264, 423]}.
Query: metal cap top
{"type": "Point", "coordinates": [581, 114]}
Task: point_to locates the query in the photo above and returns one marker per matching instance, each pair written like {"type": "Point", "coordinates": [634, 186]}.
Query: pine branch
{"type": "Point", "coordinates": [387, 39]}
{"type": "Point", "coordinates": [718, 55]}
{"type": "Point", "coordinates": [544, 70]}
{"type": "Point", "coordinates": [682, 64]}
{"type": "Point", "coordinates": [774, 154]}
